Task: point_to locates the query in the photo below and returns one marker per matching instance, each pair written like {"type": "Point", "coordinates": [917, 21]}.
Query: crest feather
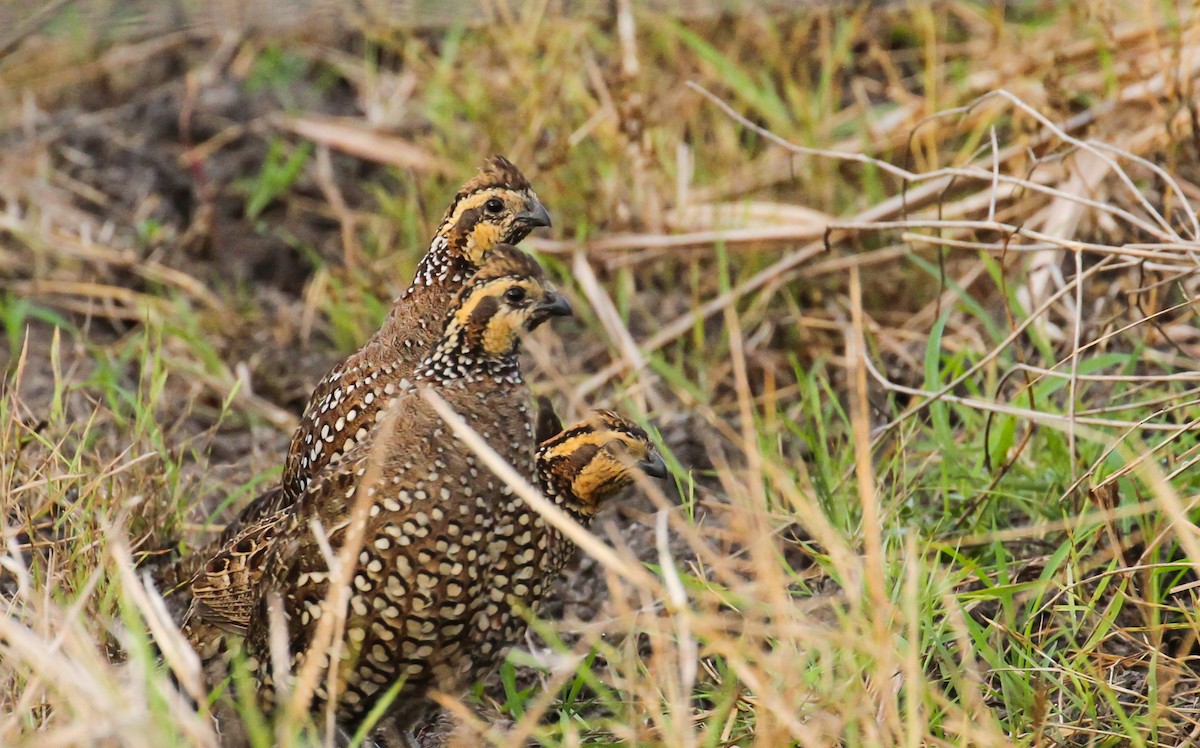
{"type": "Point", "coordinates": [497, 171]}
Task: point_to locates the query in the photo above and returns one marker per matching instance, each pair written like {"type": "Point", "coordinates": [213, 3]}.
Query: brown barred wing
{"type": "Point", "coordinates": [227, 588]}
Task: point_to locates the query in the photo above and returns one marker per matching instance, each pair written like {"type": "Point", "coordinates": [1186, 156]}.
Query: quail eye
{"type": "Point", "coordinates": [494, 206]}
{"type": "Point", "coordinates": [514, 295]}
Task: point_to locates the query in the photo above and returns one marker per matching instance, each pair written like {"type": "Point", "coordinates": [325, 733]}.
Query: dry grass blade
{"type": "Point", "coordinates": [554, 516]}
{"type": "Point", "coordinates": [750, 216]}
{"type": "Point", "coordinates": [685, 322]}
{"type": "Point", "coordinates": [357, 139]}
{"type": "Point", "coordinates": [183, 661]}
{"type": "Point", "coordinates": [609, 317]}
{"type": "Point", "coordinates": [330, 625]}
{"type": "Point", "coordinates": [700, 240]}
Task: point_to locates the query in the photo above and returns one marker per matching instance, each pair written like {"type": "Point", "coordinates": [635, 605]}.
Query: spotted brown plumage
{"type": "Point", "coordinates": [444, 537]}
{"type": "Point", "coordinates": [498, 205]}
{"type": "Point", "coordinates": [226, 588]}
{"type": "Point", "coordinates": [578, 468]}
{"type": "Point", "coordinates": [229, 574]}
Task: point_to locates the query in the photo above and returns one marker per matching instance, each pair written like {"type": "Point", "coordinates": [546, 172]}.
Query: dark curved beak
{"type": "Point", "coordinates": [553, 304]}
{"type": "Point", "coordinates": [653, 466]}
{"type": "Point", "coordinates": [535, 217]}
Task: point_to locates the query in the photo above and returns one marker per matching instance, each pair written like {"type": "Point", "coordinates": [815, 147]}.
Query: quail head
{"type": "Point", "coordinates": [584, 465]}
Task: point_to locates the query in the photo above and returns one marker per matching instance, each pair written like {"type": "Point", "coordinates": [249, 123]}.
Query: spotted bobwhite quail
{"type": "Point", "coordinates": [578, 468]}
{"type": "Point", "coordinates": [496, 206]}
{"type": "Point", "coordinates": [444, 538]}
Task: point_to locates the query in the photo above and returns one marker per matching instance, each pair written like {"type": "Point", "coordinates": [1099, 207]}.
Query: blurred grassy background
{"type": "Point", "coordinates": [922, 355]}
